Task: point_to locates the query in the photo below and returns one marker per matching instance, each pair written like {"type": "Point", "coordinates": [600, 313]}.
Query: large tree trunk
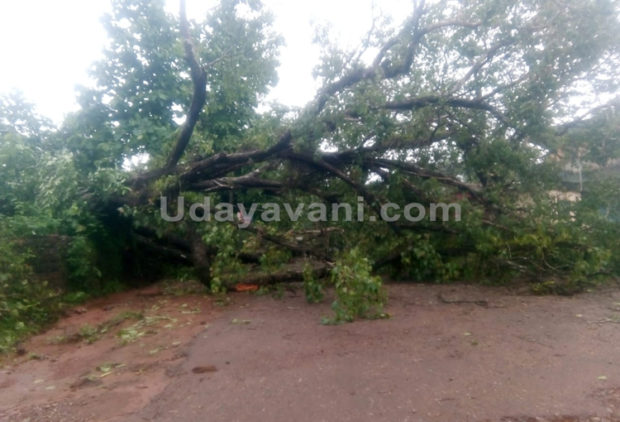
{"type": "Point", "coordinates": [201, 259]}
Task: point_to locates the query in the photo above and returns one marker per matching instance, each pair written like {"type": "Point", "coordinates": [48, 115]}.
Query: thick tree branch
{"type": "Point", "coordinates": [199, 96]}
{"type": "Point", "coordinates": [291, 273]}
{"type": "Point", "coordinates": [247, 181]}
{"type": "Point", "coordinates": [384, 69]}
{"type": "Point", "coordinates": [427, 174]}
{"type": "Point", "coordinates": [220, 164]}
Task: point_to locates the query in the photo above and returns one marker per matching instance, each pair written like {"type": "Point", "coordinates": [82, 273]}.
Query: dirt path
{"type": "Point", "coordinates": [449, 353]}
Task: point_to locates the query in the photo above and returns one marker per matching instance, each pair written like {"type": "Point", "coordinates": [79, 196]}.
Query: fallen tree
{"type": "Point", "coordinates": [458, 105]}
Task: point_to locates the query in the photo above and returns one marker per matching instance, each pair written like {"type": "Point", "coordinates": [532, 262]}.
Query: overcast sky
{"type": "Point", "coordinates": [48, 45]}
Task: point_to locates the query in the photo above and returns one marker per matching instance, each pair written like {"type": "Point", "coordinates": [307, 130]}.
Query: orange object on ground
{"type": "Point", "coordinates": [246, 287]}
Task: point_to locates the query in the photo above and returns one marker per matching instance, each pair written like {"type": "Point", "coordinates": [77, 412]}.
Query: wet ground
{"type": "Point", "coordinates": [448, 353]}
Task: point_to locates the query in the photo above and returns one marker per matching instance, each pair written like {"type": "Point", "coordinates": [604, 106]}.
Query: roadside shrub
{"type": "Point", "coordinates": [25, 304]}
{"type": "Point", "coordinates": [358, 293]}
{"type": "Point", "coordinates": [81, 264]}
{"type": "Point", "coordinates": [226, 267]}
{"type": "Point", "coordinates": [313, 288]}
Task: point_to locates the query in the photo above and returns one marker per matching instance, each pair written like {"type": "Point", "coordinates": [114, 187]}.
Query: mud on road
{"type": "Point", "coordinates": [448, 353]}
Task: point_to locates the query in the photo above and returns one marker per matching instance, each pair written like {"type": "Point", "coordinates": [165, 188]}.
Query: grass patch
{"type": "Point", "coordinates": [143, 327]}
{"type": "Point", "coordinates": [91, 334]}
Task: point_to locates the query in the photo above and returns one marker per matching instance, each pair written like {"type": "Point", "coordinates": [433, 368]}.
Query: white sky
{"type": "Point", "coordinates": [48, 45]}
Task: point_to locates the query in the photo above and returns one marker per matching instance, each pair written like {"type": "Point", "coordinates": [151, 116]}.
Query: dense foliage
{"type": "Point", "coordinates": [490, 105]}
